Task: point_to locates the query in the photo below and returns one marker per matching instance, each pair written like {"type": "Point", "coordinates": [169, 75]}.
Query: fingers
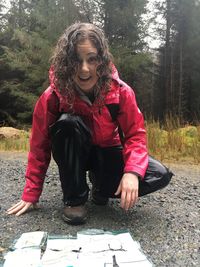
{"type": "Point", "coordinates": [20, 208]}
{"type": "Point", "coordinates": [23, 209]}
{"type": "Point", "coordinates": [118, 190]}
{"type": "Point", "coordinates": [129, 199]}
{"type": "Point", "coordinates": [129, 190]}
{"type": "Point", "coordinates": [123, 199]}
{"type": "Point", "coordinates": [14, 207]}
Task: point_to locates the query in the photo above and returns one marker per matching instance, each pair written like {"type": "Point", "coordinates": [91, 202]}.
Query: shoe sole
{"type": "Point", "coordinates": [74, 221]}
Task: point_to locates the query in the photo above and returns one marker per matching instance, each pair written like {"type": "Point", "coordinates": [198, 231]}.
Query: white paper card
{"type": "Point", "coordinates": [26, 257]}
{"type": "Point", "coordinates": [31, 239]}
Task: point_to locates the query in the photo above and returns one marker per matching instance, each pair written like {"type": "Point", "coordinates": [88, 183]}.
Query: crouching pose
{"type": "Point", "coordinates": [89, 120]}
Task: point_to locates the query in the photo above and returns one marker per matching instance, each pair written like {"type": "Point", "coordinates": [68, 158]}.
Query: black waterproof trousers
{"type": "Point", "coordinates": [74, 154]}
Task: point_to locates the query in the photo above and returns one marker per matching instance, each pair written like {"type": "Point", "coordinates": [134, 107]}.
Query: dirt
{"type": "Point", "coordinates": [166, 223]}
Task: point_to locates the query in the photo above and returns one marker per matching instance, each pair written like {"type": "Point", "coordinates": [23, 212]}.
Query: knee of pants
{"type": "Point", "coordinates": [166, 176]}
{"type": "Point", "coordinates": [64, 125]}
{"type": "Point", "coordinates": [159, 171]}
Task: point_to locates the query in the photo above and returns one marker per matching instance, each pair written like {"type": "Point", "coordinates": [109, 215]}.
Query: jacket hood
{"type": "Point", "coordinates": [115, 74]}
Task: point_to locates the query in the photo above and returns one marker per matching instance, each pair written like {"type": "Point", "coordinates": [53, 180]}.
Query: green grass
{"type": "Point", "coordinates": [20, 144]}
{"type": "Point", "coordinates": [173, 142]}
{"type": "Point", "coordinates": [170, 142]}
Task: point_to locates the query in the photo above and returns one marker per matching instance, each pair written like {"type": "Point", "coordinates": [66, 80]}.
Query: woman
{"type": "Point", "coordinates": [78, 118]}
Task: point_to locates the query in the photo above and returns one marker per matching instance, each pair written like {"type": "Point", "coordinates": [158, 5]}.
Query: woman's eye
{"type": "Point", "coordinates": [92, 60]}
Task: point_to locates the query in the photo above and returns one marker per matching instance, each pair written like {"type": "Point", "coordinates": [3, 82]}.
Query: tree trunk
{"type": "Point", "coordinates": [180, 77]}
{"type": "Point", "coordinates": [167, 58]}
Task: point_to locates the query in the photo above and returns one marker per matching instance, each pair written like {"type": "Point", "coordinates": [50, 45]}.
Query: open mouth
{"type": "Point", "coordinates": [84, 79]}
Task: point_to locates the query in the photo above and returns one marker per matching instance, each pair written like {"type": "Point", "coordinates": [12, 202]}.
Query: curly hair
{"type": "Point", "coordinates": [65, 64]}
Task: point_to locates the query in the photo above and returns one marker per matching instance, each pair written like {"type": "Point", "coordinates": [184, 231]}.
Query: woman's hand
{"type": "Point", "coordinates": [128, 188]}
{"type": "Point", "coordinates": [21, 207]}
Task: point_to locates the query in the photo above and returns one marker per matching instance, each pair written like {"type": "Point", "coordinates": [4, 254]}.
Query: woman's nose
{"type": "Point", "coordinates": [84, 66]}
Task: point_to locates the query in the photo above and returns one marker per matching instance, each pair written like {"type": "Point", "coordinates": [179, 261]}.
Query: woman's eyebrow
{"type": "Point", "coordinates": [92, 53]}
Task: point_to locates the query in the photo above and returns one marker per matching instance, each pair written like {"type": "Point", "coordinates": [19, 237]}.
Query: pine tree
{"type": "Point", "coordinates": [178, 60]}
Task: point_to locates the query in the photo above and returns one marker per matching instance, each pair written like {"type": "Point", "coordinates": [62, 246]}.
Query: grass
{"type": "Point", "coordinates": [169, 142]}
{"type": "Point", "coordinates": [173, 142]}
{"type": "Point", "coordinates": [20, 143]}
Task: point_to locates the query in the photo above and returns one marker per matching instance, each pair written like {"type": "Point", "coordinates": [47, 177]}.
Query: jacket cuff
{"type": "Point", "coordinates": [137, 174]}
{"type": "Point", "coordinates": [31, 196]}
{"type": "Point", "coordinates": [135, 170]}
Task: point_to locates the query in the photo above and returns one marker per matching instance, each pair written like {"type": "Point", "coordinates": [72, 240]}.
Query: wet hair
{"type": "Point", "coordinates": [65, 63]}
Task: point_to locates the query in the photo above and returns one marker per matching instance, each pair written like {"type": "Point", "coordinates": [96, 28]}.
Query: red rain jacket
{"type": "Point", "coordinates": [104, 131]}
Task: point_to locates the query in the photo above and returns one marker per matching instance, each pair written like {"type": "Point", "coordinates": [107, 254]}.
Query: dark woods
{"type": "Point", "coordinates": [166, 80]}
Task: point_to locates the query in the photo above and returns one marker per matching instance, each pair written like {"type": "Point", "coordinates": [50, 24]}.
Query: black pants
{"type": "Point", "coordinates": [74, 154]}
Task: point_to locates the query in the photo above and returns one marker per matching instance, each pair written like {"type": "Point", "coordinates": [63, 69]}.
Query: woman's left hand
{"type": "Point", "coordinates": [128, 188]}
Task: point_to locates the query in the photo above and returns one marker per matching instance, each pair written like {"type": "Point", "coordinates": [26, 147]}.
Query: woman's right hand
{"type": "Point", "coordinates": [21, 207]}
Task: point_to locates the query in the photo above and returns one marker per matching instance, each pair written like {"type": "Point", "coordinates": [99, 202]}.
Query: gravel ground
{"type": "Point", "coordinates": [166, 223]}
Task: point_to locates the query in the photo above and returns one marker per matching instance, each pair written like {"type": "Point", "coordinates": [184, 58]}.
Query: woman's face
{"type": "Point", "coordinates": [86, 76]}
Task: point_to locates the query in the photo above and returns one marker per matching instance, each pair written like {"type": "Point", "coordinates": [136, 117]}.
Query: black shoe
{"type": "Point", "coordinates": [75, 215]}
{"type": "Point", "coordinates": [97, 199]}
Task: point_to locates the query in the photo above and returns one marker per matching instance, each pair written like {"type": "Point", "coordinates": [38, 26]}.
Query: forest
{"type": "Point", "coordinates": [166, 78]}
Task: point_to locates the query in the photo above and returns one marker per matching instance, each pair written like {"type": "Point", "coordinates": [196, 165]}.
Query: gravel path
{"type": "Point", "coordinates": [166, 223]}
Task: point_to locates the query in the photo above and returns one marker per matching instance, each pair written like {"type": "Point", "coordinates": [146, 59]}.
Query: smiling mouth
{"type": "Point", "coordinates": [84, 79]}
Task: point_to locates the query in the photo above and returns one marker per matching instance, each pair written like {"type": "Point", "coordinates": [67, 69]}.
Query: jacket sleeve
{"type": "Point", "coordinates": [132, 124]}
{"type": "Point", "coordinates": [45, 113]}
